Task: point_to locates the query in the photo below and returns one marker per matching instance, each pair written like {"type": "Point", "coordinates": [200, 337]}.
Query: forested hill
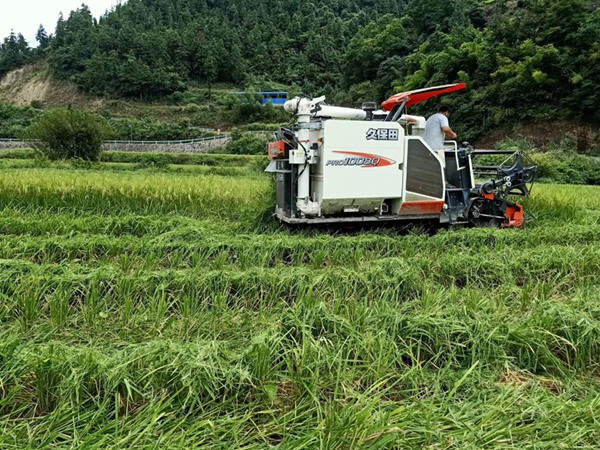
{"type": "Point", "coordinates": [520, 58]}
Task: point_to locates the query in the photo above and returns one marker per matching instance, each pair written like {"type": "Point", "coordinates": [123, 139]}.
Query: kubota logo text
{"type": "Point", "coordinates": [365, 160]}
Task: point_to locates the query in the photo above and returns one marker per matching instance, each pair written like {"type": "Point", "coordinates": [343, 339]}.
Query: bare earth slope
{"type": "Point", "coordinates": [33, 84]}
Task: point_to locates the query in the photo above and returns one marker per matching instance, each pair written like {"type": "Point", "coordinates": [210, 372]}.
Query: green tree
{"type": "Point", "coordinates": [68, 134]}
{"type": "Point", "coordinates": [14, 53]}
{"type": "Point", "coordinates": [374, 44]}
{"type": "Point", "coordinates": [246, 143]}
{"type": "Point", "coordinates": [75, 43]}
{"type": "Point", "coordinates": [42, 38]}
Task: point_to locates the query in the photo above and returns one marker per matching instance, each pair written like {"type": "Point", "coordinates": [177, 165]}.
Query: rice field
{"type": "Point", "coordinates": [166, 309]}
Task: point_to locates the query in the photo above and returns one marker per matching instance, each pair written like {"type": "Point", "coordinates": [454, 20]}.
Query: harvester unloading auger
{"type": "Point", "coordinates": [345, 165]}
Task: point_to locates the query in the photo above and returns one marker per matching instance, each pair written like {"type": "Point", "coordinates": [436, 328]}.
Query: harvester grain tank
{"type": "Point", "coordinates": [346, 165]}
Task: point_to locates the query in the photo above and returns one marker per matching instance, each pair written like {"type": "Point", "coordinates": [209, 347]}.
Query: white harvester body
{"type": "Point", "coordinates": [341, 164]}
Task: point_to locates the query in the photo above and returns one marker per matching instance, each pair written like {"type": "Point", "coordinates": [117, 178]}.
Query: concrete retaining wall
{"type": "Point", "coordinates": [187, 147]}
{"type": "Point", "coordinates": [158, 147]}
{"type": "Point", "coordinates": [7, 145]}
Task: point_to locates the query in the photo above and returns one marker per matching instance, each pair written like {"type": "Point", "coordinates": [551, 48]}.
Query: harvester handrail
{"type": "Point", "coordinates": [454, 148]}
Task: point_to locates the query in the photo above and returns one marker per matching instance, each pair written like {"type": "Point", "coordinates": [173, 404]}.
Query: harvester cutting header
{"type": "Point", "coordinates": [344, 165]}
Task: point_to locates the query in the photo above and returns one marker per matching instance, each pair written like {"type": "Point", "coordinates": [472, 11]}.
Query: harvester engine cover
{"type": "Point", "coordinates": [345, 165]}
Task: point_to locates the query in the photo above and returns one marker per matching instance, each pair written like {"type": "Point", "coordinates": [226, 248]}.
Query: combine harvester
{"type": "Point", "coordinates": [345, 165]}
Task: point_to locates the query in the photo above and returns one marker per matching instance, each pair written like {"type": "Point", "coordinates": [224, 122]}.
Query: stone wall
{"type": "Point", "coordinates": [7, 145]}
{"type": "Point", "coordinates": [157, 147]}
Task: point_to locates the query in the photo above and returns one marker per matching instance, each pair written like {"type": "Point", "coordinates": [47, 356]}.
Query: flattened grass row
{"type": "Point", "coordinates": [197, 248]}
{"type": "Point", "coordinates": [565, 266]}
{"type": "Point", "coordinates": [315, 362]}
{"type": "Point", "coordinates": [155, 309]}
{"type": "Point", "coordinates": [106, 304]}
{"type": "Point", "coordinates": [209, 395]}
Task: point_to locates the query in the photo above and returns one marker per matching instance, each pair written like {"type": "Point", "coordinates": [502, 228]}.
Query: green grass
{"type": "Point", "coordinates": [155, 308]}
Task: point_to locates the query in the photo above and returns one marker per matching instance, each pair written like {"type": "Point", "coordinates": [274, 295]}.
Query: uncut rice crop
{"type": "Point", "coordinates": [164, 309]}
{"type": "Point", "coordinates": [118, 193]}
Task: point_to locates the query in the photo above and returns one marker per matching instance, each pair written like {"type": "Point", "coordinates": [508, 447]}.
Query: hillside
{"type": "Point", "coordinates": [31, 84]}
{"type": "Point", "coordinates": [26, 91]}
{"type": "Point", "coordinates": [522, 60]}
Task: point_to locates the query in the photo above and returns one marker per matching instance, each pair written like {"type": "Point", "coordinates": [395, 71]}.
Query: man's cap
{"type": "Point", "coordinates": [443, 109]}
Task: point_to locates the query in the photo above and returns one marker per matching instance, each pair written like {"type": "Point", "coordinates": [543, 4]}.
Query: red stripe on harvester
{"type": "Point", "coordinates": [427, 207]}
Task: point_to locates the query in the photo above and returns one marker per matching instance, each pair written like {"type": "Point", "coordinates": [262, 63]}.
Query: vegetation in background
{"type": "Point", "coordinates": [14, 53]}
{"type": "Point", "coordinates": [15, 119]}
{"type": "Point", "coordinates": [68, 134]}
{"type": "Point", "coordinates": [248, 143]}
{"type": "Point", "coordinates": [521, 60]}
{"type": "Point", "coordinates": [150, 129]}
{"type": "Point", "coordinates": [174, 118]}
{"type": "Point", "coordinates": [248, 108]}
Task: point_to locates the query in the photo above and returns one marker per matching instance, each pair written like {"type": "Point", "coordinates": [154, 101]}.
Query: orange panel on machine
{"type": "Point", "coordinates": [429, 207]}
{"type": "Point", "coordinates": [515, 216]}
{"type": "Point", "coordinates": [276, 149]}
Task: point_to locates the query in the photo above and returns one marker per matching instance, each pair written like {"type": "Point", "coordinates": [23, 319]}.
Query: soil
{"type": "Point", "coordinates": [32, 84]}
{"type": "Point", "coordinates": [544, 135]}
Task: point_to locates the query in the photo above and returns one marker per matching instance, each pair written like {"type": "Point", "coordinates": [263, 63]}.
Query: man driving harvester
{"type": "Point", "coordinates": [437, 129]}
